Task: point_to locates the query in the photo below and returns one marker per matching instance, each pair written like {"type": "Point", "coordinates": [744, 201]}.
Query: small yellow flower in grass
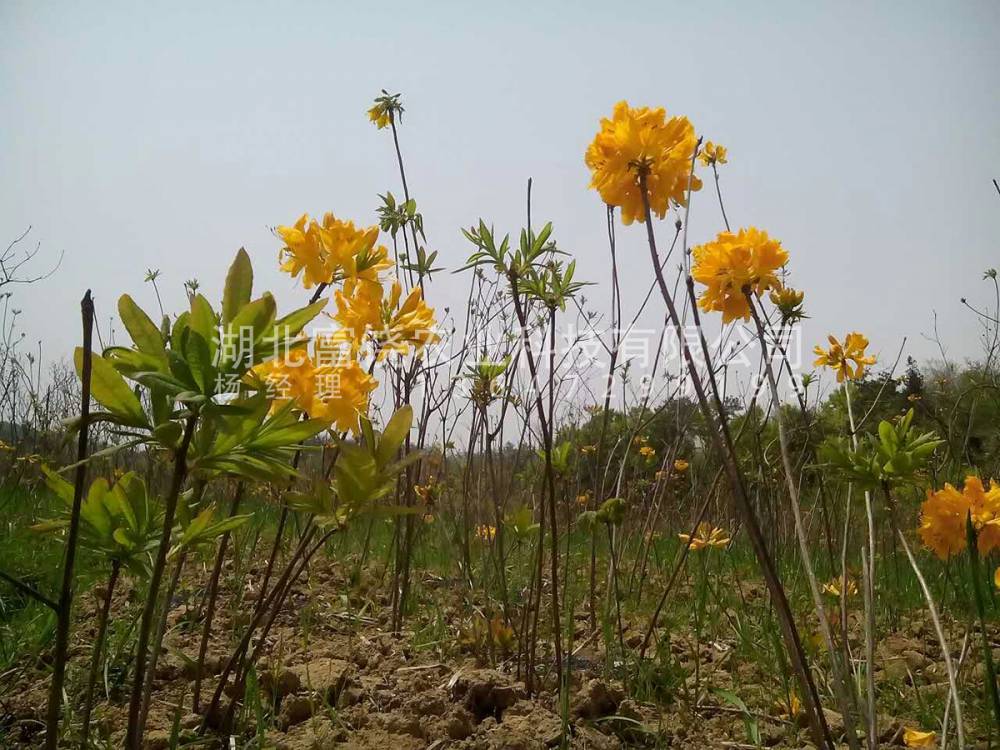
{"type": "Point", "coordinates": [943, 516]}
{"type": "Point", "coordinates": [638, 141]}
{"type": "Point", "coordinates": [582, 499]}
{"type": "Point", "coordinates": [916, 738]}
{"type": "Point", "coordinates": [839, 357]}
{"type": "Point", "coordinates": [647, 452]}
{"type": "Point", "coordinates": [833, 588]}
{"type": "Point", "coordinates": [749, 259]}
{"type": "Point", "coordinates": [428, 518]}
{"type": "Point", "coordinates": [712, 153]}
{"type": "Point", "coordinates": [680, 465]}
{"type": "Point", "coordinates": [486, 532]}
{"type": "Point", "coordinates": [426, 492]}
{"type": "Point", "coordinates": [706, 536]}
{"type": "Point", "coordinates": [790, 707]}
{"type": "Point", "coordinates": [588, 449]}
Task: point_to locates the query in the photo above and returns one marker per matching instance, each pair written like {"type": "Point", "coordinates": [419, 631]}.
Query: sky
{"type": "Point", "coordinates": [864, 136]}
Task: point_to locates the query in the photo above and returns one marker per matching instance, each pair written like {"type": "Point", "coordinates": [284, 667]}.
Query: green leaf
{"type": "Point", "coordinates": [110, 390]}
{"type": "Point", "coordinates": [394, 434]}
{"type": "Point", "coordinates": [145, 335]}
{"type": "Point", "coordinates": [239, 286]}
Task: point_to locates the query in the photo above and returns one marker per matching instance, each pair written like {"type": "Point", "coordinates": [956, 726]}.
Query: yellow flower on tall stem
{"type": "Point", "coordinates": [840, 357]}
{"type": "Point", "coordinates": [749, 259]}
{"type": "Point", "coordinates": [638, 141]}
{"type": "Point", "coordinates": [407, 325]}
{"type": "Point", "coordinates": [943, 518]}
{"type": "Point", "coordinates": [712, 154]}
{"type": "Point", "coordinates": [706, 536]}
{"type": "Point", "coordinates": [647, 452]}
{"type": "Point", "coordinates": [680, 465]}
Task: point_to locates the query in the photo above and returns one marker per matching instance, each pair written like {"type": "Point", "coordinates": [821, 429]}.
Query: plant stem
{"type": "Point", "coordinates": [722, 441]}
{"type": "Point", "coordinates": [95, 660]}
{"type": "Point", "coordinates": [133, 735]}
{"type": "Point", "coordinates": [977, 587]}
{"type": "Point", "coordinates": [66, 592]}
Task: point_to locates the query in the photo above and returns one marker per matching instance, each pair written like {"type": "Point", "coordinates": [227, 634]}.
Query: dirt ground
{"type": "Point", "coordinates": [344, 682]}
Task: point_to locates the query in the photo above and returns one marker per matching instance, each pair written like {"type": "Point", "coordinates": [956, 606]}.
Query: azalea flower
{"type": "Point", "coordinates": [789, 303]}
{"type": "Point", "coordinates": [647, 452]}
{"type": "Point", "coordinates": [706, 536]}
{"type": "Point", "coordinates": [840, 356]}
{"type": "Point", "coordinates": [410, 324]}
{"type": "Point", "coordinates": [833, 588]}
{"type": "Point", "coordinates": [916, 738]}
{"type": "Point", "coordinates": [642, 141]}
{"type": "Point", "coordinates": [588, 449]}
{"type": "Point", "coordinates": [680, 465]}
{"type": "Point", "coordinates": [789, 708]}
{"type": "Point", "coordinates": [337, 392]}
{"type": "Point", "coordinates": [943, 517]}
{"type": "Point", "coordinates": [749, 259]}
{"type": "Point", "coordinates": [712, 153]}
{"type": "Point", "coordinates": [485, 532]}
{"type": "Point", "coordinates": [305, 254]}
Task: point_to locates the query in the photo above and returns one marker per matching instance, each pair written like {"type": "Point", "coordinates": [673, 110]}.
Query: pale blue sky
{"type": "Point", "coordinates": [166, 135]}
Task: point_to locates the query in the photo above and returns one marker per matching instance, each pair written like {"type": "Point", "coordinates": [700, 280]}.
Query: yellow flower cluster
{"type": "Point", "coordinates": [706, 536]}
{"type": "Point", "coordinates": [835, 588]}
{"type": "Point", "coordinates": [323, 252]}
{"type": "Point", "coordinates": [325, 384]}
{"type": "Point", "coordinates": [918, 738]}
{"type": "Point", "coordinates": [647, 452]}
{"type": "Point", "coordinates": [711, 154]}
{"type": "Point", "coordinates": [639, 141]}
{"type": "Point", "coordinates": [749, 259]}
{"type": "Point", "coordinates": [393, 325]}
{"type": "Point", "coordinates": [486, 532]}
{"type": "Point", "coordinates": [839, 357]}
{"type": "Point", "coordinates": [943, 517]}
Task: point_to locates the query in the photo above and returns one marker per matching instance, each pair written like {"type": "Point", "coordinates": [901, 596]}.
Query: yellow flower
{"type": "Point", "coordinates": [380, 115]}
{"type": "Point", "coordinates": [289, 378]}
{"type": "Point", "coordinates": [680, 465]}
{"type": "Point", "coordinates": [647, 452]}
{"type": "Point", "coordinates": [731, 263]}
{"type": "Point", "coordinates": [639, 440]}
{"type": "Point", "coordinates": [706, 536]}
{"type": "Point", "coordinates": [916, 738]}
{"type": "Point", "coordinates": [410, 324]}
{"type": "Point", "coordinates": [789, 303]}
{"type": "Point", "coordinates": [426, 492]}
{"type": "Point", "coordinates": [712, 153]}
{"type": "Point", "coordinates": [790, 708]}
{"type": "Point", "coordinates": [305, 254]}
{"type": "Point", "coordinates": [833, 588]}
{"type": "Point", "coordinates": [336, 391]}
{"type": "Point", "coordinates": [588, 449]}
{"type": "Point", "coordinates": [943, 516]}
{"type": "Point", "coordinates": [840, 356]}
{"type": "Point", "coordinates": [341, 394]}
{"type": "Point", "coordinates": [638, 141]}
{"type": "Point", "coordinates": [996, 578]}
{"type": "Point", "coordinates": [485, 532]}
{"type": "Point", "coordinates": [583, 499]}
